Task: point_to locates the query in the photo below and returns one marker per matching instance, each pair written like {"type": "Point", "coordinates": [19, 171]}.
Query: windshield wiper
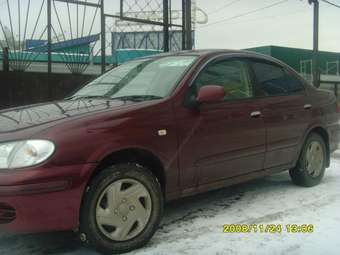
{"type": "Point", "coordinates": [137, 98]}
{"type": "Point", "coordinates": [87, 97]}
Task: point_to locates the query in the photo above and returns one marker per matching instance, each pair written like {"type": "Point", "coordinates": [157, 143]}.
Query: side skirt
{"type": "Point", "coordinates": [226, 182]}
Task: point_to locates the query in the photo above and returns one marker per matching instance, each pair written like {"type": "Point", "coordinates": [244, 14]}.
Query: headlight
{"type": "Point", "coordinates": [24, 153]}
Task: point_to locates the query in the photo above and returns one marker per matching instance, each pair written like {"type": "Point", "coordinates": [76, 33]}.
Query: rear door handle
{"type": "Point", "coordinates": [308, 106]}
{"type": "Point", "coordinates": [256, 114]}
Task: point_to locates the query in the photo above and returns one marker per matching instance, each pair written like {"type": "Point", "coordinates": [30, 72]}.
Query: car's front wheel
{"type": "Point", "coordinates": [312, 163]}
{"type": "Point", "coordinates": [122, 209]}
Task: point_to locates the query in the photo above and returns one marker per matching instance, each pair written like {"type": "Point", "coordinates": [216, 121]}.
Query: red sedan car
{"type": "Point", "coordinates": [104, 160]}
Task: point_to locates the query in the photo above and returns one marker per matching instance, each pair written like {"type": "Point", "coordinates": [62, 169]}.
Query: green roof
{"type": "Point", "coordinates": [295, 57]}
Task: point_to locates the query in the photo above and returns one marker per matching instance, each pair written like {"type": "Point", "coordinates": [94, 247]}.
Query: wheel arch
{"type": "Point", "coordinates": [139, 156]}
{"type": "Point", "coordinates": [324, 134]}
{"type": "Point", "coordinates": [318, 129]}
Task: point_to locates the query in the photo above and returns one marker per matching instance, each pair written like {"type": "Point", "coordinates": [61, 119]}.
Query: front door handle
{"type": "Point", "coordinates": [256, 114]}
{"type": "Point", "coordinates": [308, 106]}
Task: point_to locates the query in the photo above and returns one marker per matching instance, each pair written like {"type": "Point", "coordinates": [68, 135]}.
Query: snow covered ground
{"type": "Point", "coordinates": [194, 225]}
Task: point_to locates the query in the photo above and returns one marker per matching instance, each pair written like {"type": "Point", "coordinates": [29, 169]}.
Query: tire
{"type": "Point", "coordinates": [136, 197]}
{"type": "Point", "coordinates": [309, 170]}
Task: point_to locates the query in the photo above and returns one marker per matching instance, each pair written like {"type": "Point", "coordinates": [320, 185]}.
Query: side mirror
{"type": "Point", "coordinates": [210, 93]}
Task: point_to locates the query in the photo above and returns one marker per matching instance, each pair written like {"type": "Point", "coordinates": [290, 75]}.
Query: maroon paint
{"type": "Point", "coordinates": [210, 93]}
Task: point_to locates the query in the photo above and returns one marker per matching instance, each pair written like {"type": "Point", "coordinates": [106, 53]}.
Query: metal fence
{"type": "Point", "coordinates": [78, 35]}
{"type": "Point", "coordinates": [333, 86]}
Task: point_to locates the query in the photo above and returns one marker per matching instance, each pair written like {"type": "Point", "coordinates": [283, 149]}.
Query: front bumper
{"type": "Point", "coordinates": [42, 199]}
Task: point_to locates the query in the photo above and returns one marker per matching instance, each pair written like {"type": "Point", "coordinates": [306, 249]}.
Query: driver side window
{"type": "Point", "coordinates": [232, 75]}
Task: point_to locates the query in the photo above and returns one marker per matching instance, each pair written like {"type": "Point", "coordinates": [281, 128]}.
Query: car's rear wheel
{"type": "Point", "coordinates": [312, 163]}
{"type": "Point", "coordinates": [121, 209]}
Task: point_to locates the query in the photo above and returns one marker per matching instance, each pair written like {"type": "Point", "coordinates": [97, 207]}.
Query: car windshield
{"type": "Point", "coordinates": [144, 79]}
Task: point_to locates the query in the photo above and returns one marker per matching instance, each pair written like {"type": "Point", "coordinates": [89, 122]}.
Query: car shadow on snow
{"type": "Point", "coordinates": [208, 204]}
{"type": "Point", "coordinates": [177, 214]}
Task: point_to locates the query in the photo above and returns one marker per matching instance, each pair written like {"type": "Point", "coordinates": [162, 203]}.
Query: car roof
{"type": "Point", "coordinates": [205, 52]}
{"type": "Point", "coordinates": [200, 53]}
{"type": "Point", "coordinates": [217, 52]}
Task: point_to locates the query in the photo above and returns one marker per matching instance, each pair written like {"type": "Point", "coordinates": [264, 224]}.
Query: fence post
{"type": "Point", "coordinates": [49, 37]}
{"type": "Point", "coordinates": [166, 25]}
{"type": "Point", "coordinates": [5, 60]}
{"type": "Point", "coordinates": [103, 38]}
{"type": "Point", "coordinates": [336, 90]}
{"type": "Point", "coordinates": [188, 23]}
{"type": "Point", "coordinates": [183, 25]}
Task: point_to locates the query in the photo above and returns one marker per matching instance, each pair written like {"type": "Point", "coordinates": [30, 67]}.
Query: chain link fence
{"type": "Point", "coordinates": [81, 36]}
{"type": "Point", "coordinates": [146, 27]}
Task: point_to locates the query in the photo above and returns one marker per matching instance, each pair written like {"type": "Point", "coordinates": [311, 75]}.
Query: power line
{"type": "Point", "coordinates": [224, 6]}
{"type": "Point", "coordinates": [271, 16]}
{"type": "Point", "coordinates": [305, 10]}
{"type": "Point", "coordinates": [245, 14]}
{"type": "Point", "coordinates": [331, 3]}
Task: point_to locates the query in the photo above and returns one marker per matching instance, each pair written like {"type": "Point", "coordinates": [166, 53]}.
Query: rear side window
{"type": "Point", "coordinates": [273, 80]}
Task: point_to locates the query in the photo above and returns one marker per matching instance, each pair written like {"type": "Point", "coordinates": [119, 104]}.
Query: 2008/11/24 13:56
{"type": "Point", "coordinates": [268, 228]}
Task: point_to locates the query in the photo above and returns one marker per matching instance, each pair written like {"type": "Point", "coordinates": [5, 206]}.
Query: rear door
{"type": "Point", "coordinates": [286, 111]}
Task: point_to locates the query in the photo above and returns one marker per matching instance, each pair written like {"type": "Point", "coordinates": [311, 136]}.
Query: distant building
{"type": "Point", "coordinates": [301, 59]}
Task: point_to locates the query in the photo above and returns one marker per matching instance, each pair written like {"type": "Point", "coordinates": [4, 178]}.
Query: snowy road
{"type": "Point", "coordinates": [194, 225]}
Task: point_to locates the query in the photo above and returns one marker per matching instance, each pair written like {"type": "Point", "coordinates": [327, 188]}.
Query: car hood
{"type": "Point", "coordinates": [41, 116]}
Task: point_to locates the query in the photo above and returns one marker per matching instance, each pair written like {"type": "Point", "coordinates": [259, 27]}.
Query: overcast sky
{"type": "Point", "coordinates": [288, 24]}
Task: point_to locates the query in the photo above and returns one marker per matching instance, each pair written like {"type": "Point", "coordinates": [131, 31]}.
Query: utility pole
{"type": "Point", "coordinates": [316, 69]}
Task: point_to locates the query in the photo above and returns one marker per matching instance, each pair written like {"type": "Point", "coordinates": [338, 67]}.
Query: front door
{"type": "Point", "coordinates": [223, 139]}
